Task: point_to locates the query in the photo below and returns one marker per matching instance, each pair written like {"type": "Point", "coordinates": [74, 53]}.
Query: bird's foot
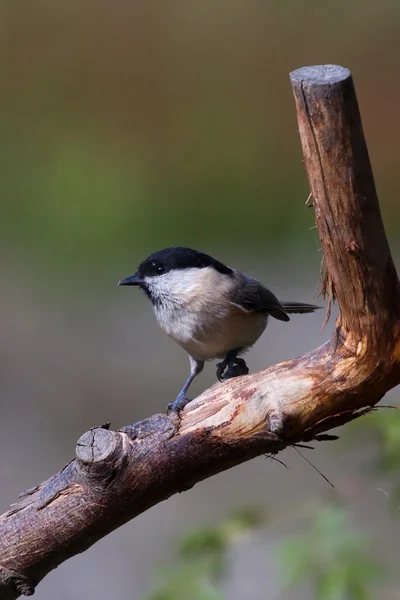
{"type": "Point", "coordinates": [178, 405]}
{"type": "Point", "coordinates": [236, 368]}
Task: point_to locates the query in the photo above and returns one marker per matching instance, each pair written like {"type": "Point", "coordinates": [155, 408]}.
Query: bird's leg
{"type": "Point", "coordinates": [196, 367]}
{"type": "Point", "coordinates": [236, 366]}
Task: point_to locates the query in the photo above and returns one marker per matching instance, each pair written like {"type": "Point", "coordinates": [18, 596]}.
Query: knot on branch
{"type": "Point", "coordinates": [11, 577]}
{"type": "Point", "coordinates": [158, 427]}
{"type": "Point", "coordinates": [276, 422]}
{"type": "Point", "coordinates": [99, 450]}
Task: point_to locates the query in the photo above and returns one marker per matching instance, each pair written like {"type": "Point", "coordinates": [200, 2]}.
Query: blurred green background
{"type": "Point", "coordinates": [127, 127]}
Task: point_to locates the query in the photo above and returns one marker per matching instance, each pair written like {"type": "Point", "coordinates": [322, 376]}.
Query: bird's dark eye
{"type": "Point", "coordinates": [159, 269]}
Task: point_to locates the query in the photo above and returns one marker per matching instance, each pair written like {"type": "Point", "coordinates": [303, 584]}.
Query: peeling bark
{"type": "Point", "coordinates": [118, 475]}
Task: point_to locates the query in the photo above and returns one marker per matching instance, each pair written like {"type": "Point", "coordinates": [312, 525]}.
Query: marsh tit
{"type": "Point", "coordinates": [211, 310]}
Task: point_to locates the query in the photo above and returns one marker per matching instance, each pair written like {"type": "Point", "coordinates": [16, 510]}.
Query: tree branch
{"type": "Point", "coordinates": [118, 475]}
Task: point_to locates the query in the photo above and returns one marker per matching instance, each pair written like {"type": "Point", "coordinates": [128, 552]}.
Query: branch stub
{"type": "Point", "coordinates": [97, 445]}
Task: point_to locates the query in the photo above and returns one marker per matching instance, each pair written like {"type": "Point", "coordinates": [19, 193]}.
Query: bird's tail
{"type": "Point", "coordinates": [299, 307]}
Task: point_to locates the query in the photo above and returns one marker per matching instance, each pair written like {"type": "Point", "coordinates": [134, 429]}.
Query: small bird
{"type": "Point", "coordinates": [211, 310]}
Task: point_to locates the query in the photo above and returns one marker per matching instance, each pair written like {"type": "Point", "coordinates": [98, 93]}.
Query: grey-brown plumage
{"type": "Point", "coordinates": [211, 310]}
{"type": "Point", "coordinates": [253, 296]}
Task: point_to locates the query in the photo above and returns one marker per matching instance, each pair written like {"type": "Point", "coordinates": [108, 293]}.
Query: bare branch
{"type": "Point", "coordinates": [118, 475]}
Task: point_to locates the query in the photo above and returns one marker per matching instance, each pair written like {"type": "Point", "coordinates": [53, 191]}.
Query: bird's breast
{"type": "Point", "coordinates": [210, 332]}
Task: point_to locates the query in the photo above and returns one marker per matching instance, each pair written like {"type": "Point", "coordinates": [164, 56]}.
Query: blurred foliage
{"type": "Point", "coordinates": [78, 204]}
{"type": "Point", "coordinates": [332, 557]}
{"type": "Point", "coordinates": [202, 558]}
{"type": "Point", "coordinates": [156, 123]}
{"type": "Point", "coordinates": [384, 424]}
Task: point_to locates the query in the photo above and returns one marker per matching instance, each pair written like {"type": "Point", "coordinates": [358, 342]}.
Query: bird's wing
{"type": "Point", "coordinates": [252, 296]}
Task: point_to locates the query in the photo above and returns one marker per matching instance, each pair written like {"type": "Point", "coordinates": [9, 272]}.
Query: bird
{"type": "Point", "coordinates": [211, 310]}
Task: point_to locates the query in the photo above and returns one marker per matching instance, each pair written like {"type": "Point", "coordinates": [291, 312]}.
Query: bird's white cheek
{"type": "Point", "coordinates": [178, 286]}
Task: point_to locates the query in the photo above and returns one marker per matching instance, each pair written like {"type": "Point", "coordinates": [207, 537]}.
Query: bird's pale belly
{"type": "Point", "coordinates": [217, 338]}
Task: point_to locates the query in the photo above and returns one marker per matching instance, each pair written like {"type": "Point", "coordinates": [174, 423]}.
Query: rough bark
{"type": "Point", "coordinates": [117, 475]}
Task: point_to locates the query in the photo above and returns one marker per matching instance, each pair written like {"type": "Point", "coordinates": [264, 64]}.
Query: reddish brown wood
{"type": "Point", "coordinates": [117, 475]}
{"type": "Point", "coordinates": [359, 267]}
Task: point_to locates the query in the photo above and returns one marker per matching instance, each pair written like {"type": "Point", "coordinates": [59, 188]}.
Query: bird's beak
{"type": "Point", "coordinates": [132, 280]}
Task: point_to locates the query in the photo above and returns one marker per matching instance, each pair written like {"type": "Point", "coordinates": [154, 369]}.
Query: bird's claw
{"type": "Point", "coordinates": [236, 371]}
{"type": "Point", "coordinates": [236, 368]}
{"type": "Point", "coordinates": [220, 370]}
{"type": "Point", "coordinates": [178, 405]}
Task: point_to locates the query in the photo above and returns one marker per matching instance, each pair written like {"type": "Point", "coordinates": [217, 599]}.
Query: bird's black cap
{"type": "Point", "coordinates": [178, 257]}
